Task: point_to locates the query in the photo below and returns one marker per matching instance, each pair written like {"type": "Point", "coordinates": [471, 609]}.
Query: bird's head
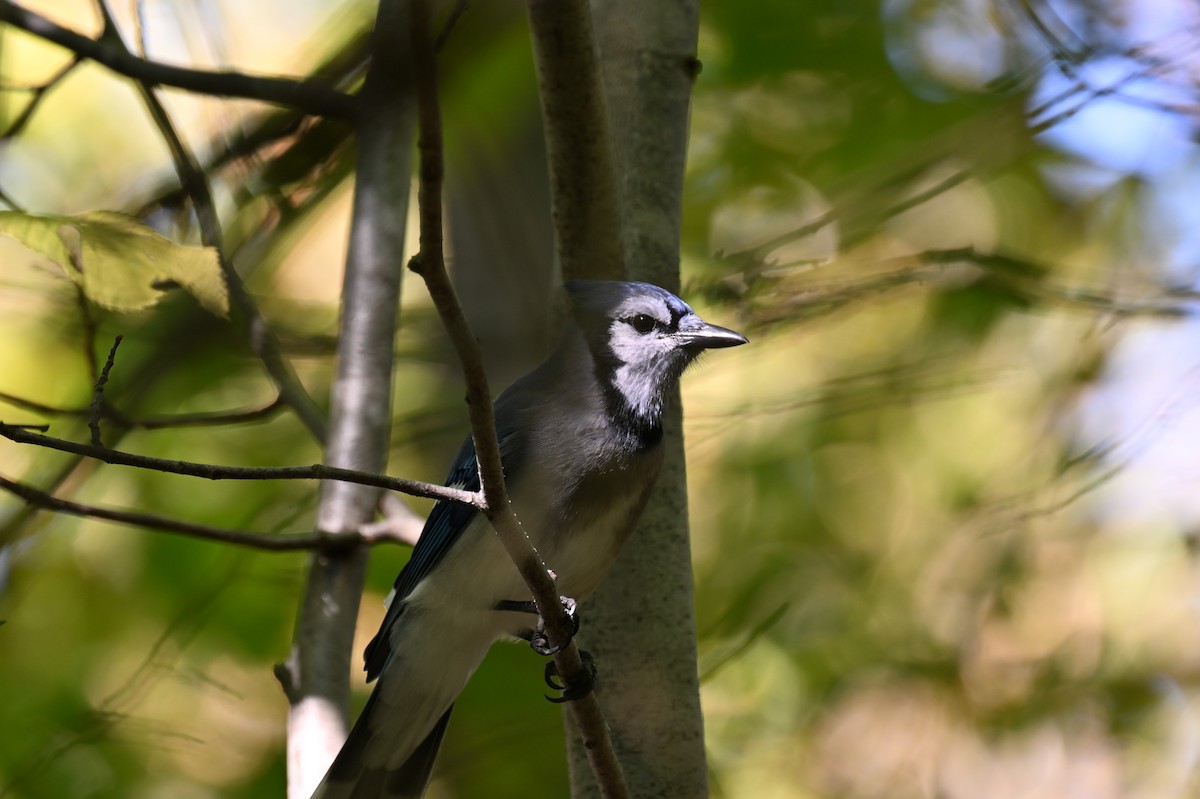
{"type": "Point", "coordinates": [641, 338]}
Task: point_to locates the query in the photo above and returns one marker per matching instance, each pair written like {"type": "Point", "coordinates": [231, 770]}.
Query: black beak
{"type": "Point", "coordinates": [695, 333]}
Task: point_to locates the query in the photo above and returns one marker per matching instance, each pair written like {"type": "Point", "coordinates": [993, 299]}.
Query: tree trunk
{"type": "Point", "coordinates": [317, 674]}
{"type": "Point", "coordinates": [640, 625]}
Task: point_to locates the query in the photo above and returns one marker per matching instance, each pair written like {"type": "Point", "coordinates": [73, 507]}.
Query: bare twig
{"type": "Point", "coordinates": [63, 477]}
{"type": "Point", "coordinates": [344, 67]}
{"type": "Point", "coordinates": [1069, 57]}
{"type": "Point", "coordinates": [107, 412]}
{"type": "Point", "coordinates": [95, 411]}
{"type": "Point", "coordinates": [268, 543]}
{"type": "Point", "coordinates": [430, 264]}
{"type": "Point", "coordinates": [38, 94]}
{"type": "Point", "coordinates": [310, 96]}
{"type": "Point", "coordinates": [208, 471]}
{"type": "Point", "coordinates": [203, 418]}
{"type": "Point", "coordinates": [448, 26]}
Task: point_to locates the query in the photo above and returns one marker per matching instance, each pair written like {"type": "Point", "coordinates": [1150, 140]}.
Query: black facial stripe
{"type": "Point", "coordinates": [644, 431]}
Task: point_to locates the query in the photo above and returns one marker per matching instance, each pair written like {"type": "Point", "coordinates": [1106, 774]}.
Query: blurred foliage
{"type": "Point", "coordinates": [943, 507]}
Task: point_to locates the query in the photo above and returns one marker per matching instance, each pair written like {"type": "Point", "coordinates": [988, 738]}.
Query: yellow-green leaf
{"type": "Point", "coordinates": [118, 262]}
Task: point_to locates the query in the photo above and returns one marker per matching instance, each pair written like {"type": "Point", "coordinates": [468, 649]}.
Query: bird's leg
{"type": "Point", "coordinates": [517, 605]}
{"type": "Point", "coordinates": [571, 692]}
{"type": "Point", "coordinates": [537, 638]}
{"type": "Point", "coordinates": [540, 643]}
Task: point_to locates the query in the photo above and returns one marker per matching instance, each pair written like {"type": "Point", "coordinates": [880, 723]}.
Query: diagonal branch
{"type": "Point", "coordinates": [310, 96]}
{"type": "Point", "coordinates": [39, 93]}
{"type": "Point", "coordinates": [430, 264]}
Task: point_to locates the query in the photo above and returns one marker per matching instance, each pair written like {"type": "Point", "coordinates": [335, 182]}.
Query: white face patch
{"type": "Point", "coordinates": [650, 362]}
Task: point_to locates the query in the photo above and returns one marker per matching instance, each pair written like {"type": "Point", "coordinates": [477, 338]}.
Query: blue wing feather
{"type": "Point", "coordinates": [442, 529]}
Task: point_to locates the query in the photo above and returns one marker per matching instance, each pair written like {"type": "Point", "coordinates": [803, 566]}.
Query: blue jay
{"type": "Point", "coordinates": [580, 438]}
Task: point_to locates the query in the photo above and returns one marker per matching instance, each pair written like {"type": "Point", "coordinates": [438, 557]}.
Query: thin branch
{"type": "Point", "coordinates": [268, 543]}
{"type": "Point", "coordinates": [39, 93]}
{"type": "Point", "coordinates": [95, 411]}
{"type": "Point", "coordinates": [243, 145]}
{"type": "Point", "coordinates": [1064, 55]}
{"type": "Point", "coordinates": [208, 471]}
{"type": "Point", "coordinates": [1070, 57]}
{"type": "Point", "coordinates": [65, 476]}
{"type": "Point", "coordinates": [751, 637]}
{"type": "Point", "coordinates": [343, 67]}
{"type": "Point", "coordinates": [107, 412]}
{"type": "Point", "coordinates": [455, 15]}
{"type": "Point", "coordinates": [430, 264]}
{"type": "Point", "coordinates": [312, 97]}
{"type": "Point", "coordinates": [203, 418]}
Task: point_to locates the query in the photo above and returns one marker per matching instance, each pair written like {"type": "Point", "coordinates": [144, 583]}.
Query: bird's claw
{"type": "Point", "coordinates": [571, 692]}
{"type": "Point", "coordinates": [540, 642]}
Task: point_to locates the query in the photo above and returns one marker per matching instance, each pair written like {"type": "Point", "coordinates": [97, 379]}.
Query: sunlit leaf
{"type": "Point", "coordinates": [118, 262]}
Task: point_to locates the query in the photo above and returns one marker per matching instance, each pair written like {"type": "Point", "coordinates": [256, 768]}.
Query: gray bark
{"type": "Point", "coordinates": [578, 144]}
{"type": "Point", "coordinates": [317, 674]}
{"type": "Point", "coordinates": [640, 625]}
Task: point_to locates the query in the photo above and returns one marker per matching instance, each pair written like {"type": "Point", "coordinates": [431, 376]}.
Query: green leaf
{"type": "Point", "coordinates": [118, 262]}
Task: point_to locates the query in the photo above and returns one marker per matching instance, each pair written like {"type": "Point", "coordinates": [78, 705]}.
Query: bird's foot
{"type": "Point", "coordinates": [540, 642]}
{"type": "Point", "coordinates": [537, 638]}
{"type": "Point", "coordinates": [571, 691]}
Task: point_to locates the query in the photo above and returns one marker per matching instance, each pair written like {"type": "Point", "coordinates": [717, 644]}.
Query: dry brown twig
{"type": "Point", "coordinates": [430, 264]}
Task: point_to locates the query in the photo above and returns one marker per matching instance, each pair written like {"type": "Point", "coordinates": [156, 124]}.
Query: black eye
{"type": "Point", "coordinates": [642, 323]}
